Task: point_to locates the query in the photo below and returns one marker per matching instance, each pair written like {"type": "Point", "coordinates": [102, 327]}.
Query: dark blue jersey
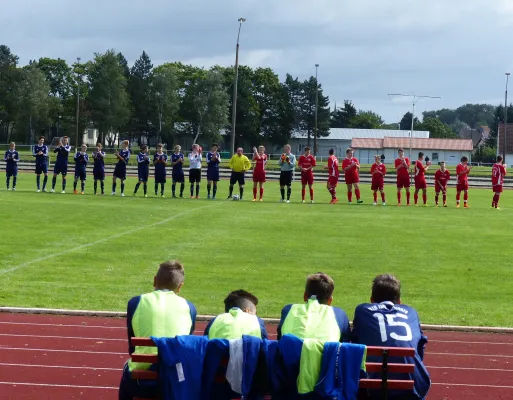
{"type": "Point", "coordinates": [178, 167]}
{"type": "Point", "coordinates": [125, 155]}
{"type": "Point", "coordinates": [40, 158]}
{"type": "Point", "coordinates": [213, 161]}
{"type": "Point", "coordinates": [62, 154]}
{"type": "Point", "coordinates": [143, 161]}
{"type": "Point", "coordinates": [81, 160]}
{"type": "Point", "coordinates": [160, 161]}
{"type": "Point", "coordinates": [11, 158]}
{"type": "Point", "coordinates": [99, 161]}
{"type": "Point", "coordinates": [393, 325]}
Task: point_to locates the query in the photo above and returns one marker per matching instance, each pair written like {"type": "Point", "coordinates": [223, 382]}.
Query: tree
{"type": "Point", "coordinates": [108, 96]}
{"type": "Point", "coordinates": [341, 117]}
{"type": "Point", "coordinates": [57, 74]}
{"type": "Point", "coordinates": [436, 128]}
{"type": "Point", "coordinates": [9, 75]}
{"type": "Point", "coordinates": [405, 123]}
{"type": "Point", "coordinates": [366, 120]}
{"type": "Point", "coordinates": [139, 90]}
{"type": "Point", "coordinates": [497, 119]}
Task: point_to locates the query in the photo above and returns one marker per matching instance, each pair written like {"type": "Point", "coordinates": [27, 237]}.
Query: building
{"type": "Point", "coordinates": [341, 138]}
{"type": "Point", "coordinates": [509, 142]}
{"type": "Point", "coordinates": [478, 136]}
{"type": "Point", "coordinates": [448, 150]}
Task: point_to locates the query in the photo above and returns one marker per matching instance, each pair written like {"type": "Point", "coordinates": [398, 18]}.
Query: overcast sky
{"type": "Point", "coordinates": [456, 49]}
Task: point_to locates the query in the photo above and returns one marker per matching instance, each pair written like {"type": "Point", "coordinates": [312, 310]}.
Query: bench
{"type": "Point", "coordinates": [384, 367]}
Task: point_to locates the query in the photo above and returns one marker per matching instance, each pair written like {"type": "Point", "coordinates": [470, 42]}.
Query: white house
{"type": "Point", "coordinates": [448, 150]}
{"type": "Point", "coordinates": [341, 138]}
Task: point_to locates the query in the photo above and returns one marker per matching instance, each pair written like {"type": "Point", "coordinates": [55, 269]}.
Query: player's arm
{"type": "Point", "coordinates": [207, 329]}
{"type": "Point", "coordinates": [56, 150]}
{"type": "Point", "coordinates": [292, 160]}
{"type": "Point", "coordinates": [164, 161]}
{"type": "Point", "coordinates": [5, 155]}
{"type": "Point", "coordinates": [16, 156]}
{"type": "Point", "coordinates": [125, 159]}
{"type": "Point", "coordinates": [247, 163]}
{"type": "Point", "coordinates": [230, 163]}
{"type": "Point", "coordinates": [348, 168]}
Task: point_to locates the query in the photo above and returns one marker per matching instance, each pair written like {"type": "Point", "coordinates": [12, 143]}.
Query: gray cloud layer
{"type": "Point", "coordinates": [456, 49]}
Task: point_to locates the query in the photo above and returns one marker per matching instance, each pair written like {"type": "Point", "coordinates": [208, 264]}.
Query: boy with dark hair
{"type": "Point", "coordinates": [315, 319]}
{"type": "Point", "coordinates": [11, 159]}
{"type": "Point", "coordinates": [99, 168]}
{"type": "Point", "coordinates": [442, 176]}
{"type": "Point", "coordinates": [143, 170]}
{"type": "Point", "coordinates": [378, 172]}
{"type": "Point", "coordinates": [195, 169]}
{"type": "Point", "coordinates": [41, 155]}
{"type": "Point", "coordinates": [81, 160]}
{"type": "Point", "coordinates": [238, 319]}
{"type": "Point", "coordinates": [462, 171]}
{"type": "Point", "coordinates": [498, 174]}
{"type": "Point", "coordinates": [402, 167]}
{"type": "Point", "coordinates": [287, 163]}
{"type": "Point", "coordinates": [123, 157]}
{"type": "Point", "coordinates": [61, 164]}
{"type": "Point", "coordinates": [351, 168]}
{"type": "Point", "coordinates": [177, 159]}
{"type": "Point", "coordinates": [420, 179]}
{"type": "Point", "coordinates": [386, 322]}
{"type": "Point", "coordinates": [160, 313]}
{"type": "Point", "coordinates": [333, 175]}
{"type": "Point", "coordinates": [160, 163]}
{"type": "Point", "coordinates": [213, 161]}
{"type": "Point", "coordinates": [307, 163]}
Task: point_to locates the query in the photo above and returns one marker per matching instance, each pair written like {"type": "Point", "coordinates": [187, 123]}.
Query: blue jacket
{"type": "Point", "coordinates": [180, 369]}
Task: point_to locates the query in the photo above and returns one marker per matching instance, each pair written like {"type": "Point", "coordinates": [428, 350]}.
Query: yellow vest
{"type": "Point", "coordinates": [234, 324]}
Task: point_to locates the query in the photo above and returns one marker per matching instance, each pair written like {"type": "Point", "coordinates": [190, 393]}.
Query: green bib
{"type": "Point", "coordinates": [161, 314]}
{"type": "Point", "coordinates": [234, 324]}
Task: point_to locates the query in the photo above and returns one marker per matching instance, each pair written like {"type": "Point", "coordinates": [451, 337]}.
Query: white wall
{"type": "Point", "coordinates": [450, 157]}
{"type": "Point", "coordinates": [323, 145]}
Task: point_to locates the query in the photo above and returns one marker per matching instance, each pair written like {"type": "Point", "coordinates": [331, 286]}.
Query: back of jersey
{"type": "Point", "coordinates": [393, 325]}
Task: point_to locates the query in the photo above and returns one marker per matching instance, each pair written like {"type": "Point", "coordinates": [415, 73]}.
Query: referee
{"type": "Point", "coordinates": [239, 164]}
{"type": "Point", "coordinates": [287, 164]}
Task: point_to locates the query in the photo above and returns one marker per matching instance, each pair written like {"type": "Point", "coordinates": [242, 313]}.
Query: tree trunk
{"type": "Point", "coordinates": [198, 131]}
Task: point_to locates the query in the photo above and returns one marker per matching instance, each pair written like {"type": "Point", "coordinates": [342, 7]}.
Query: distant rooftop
{"type": "Point", "coordinates": [349, 134]}
{"type": "Point", "coordinates": [416, 143]}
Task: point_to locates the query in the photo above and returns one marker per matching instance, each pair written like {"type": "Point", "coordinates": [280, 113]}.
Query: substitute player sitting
{"type": "Point", "coordinates": [442, 176]}
{"type": "Point", "coordinates": [260, 159]}
{"type": "Point", "coordinates": [420, 179]}
{"type": "Point", "coordinates": [81, 160]}
{"type": "Point", "coordinates": [315, 318]}
{"type": "Point", "coordinates": [378, 171]}
{"type": "Point", "coordinates": [239, 164]}
{"type": "Point", "coordinates": [239, 318]}
{"type": "Point", "coordinates": [388, 323]}
{"type": "Point", "coordinates": [462, 171]}
{"type": "Point", "coordinates": [333, 175]}
{"type": "Point", "coordinates": [402, 167]}
{"type": "Point", "coordinates": [307, 163]}
{"type": "Point", "coordinates": [351, 168]}
{"type": "Point", "coordinates": [498, 174]}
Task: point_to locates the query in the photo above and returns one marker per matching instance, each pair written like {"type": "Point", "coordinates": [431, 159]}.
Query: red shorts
{"type": "Point", "coordinates": [307, 179]}
{"type": "Point", "coordinates": [377, 185]}
{"type": "Point", "coordinates": [461, 187]}
{"type": "Point", "coordinates": [420, 184]}
{"type": "Point", "coordinates": [333, 181]}
{"type": "Point", "coordinates": [439, 189]}
{"type": "Point", "coordinates": [351, 179]}
{"type": "Point", "coordinates": [259, 176]}
{"type": "Point", "coordinates": [497, 188]}
{"type": "Point", "coordinates": [403, 182]}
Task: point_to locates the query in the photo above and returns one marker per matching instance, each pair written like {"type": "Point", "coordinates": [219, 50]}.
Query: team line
{"type": "Point", "coordinates": [240, 165]}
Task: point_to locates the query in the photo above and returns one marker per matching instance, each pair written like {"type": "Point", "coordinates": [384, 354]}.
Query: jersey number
{"type": "Point", "coordinates": [391, 322]}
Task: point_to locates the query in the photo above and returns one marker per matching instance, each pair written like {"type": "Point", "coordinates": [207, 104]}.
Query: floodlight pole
{"type": "Point", "coordinates": [234, 101]}
{"type": "Point", "coordinates": [505, 120]}
{"type": "Point", "coordinates": [78, 105]}
{"type": "Point", "coordinates": [316, 107]}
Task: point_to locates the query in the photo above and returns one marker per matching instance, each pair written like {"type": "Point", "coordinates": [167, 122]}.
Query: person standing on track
{"type": "Point", "coordinates": [11, 159]}
{"type": "Point", "coordinates": [402, 167]}
{"type": "Point", "coordinates": [386, 322]}
{"type": "Point", "coordinates": [498, 174]}
{"type": "Point", "coordinates": [41, 155]}
{"type": "Point", "coordinates": [307, 163]}
{"type": "Point", "coordinates": [61, 164]}
{"type": "Point", "coordinates": [287, 165]}
{"type": "Point", "coordinates": [351, 168]}
{"type": "Point", "coordinates": [239, 164]}
{"type": "Point", "coordinates": [260, 159]}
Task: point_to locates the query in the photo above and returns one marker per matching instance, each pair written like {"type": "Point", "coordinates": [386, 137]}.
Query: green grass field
{"type": "Point", "coordinates": [87, 252]}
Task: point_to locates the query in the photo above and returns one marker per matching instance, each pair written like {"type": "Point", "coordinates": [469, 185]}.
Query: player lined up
{"type": "Point", "coordinates": [240, 164]}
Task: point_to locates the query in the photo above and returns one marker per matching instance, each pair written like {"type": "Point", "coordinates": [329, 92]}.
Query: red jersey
{"type": "Point", "coordinates": [352, 172]}
{"type": "Point", "coordinates": [307, 162]}
{"type": "Point", "coordinates": [333, 166]}
{"type": "Point", "coordinates": [381, 168]}
{"type": "Point", "coordinates": [463, 179]}
{"type": "Point", "coordinates": [261, 160]}
{"type": "Point", "coordinates": [402, 172]}
{"type": "Point", "coordinates": [498, 173]}
{"type": "Point", "coordinates": [420, 170]}
{"type": "Point", "coordinates": [441, 178]}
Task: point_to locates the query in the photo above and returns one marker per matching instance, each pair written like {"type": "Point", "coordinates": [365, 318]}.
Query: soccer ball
{"type": "Point", "coordinates": [235, 197]}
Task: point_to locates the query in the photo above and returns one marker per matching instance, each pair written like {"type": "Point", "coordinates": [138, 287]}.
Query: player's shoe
{"type": "Point", "coordinates": [334, 201]}
{"type": "Point", "coordinates": [192, 197]}
{"type": "Point", "coordinates": [383, 204]}
{"type": "Point", "coordinates": [445, 204]}
{"type": "Point", "coordinates": [288, 201]}
{"type": "Point", "coordinates": [436, 205]}
{"type": "Point", "coordinates": [113, 194]}
{"type": "Point", "coordinates": [13, 189]}
{"type": "Point", "coordinates": [261, 200]}
{"type": "Point", "coordinates": [52, 191]}
{"type": "Point", "coordinates": [254, 199]}
{"type": "Point", "coordinates": [82, 193]}
{"type": "Point", "coordinates": [173, 197]}
{"type": "Point", "coordinates": [197, 197]}
{"type": "Point", "coordinates": [302, 201]}
{"type": "Point", "coordinates": [208, 197]}
{"type": "Point", "coordinates": [75, 192]}
{"type": "Point", "coordinates": [498, 208]}
{"type": "Point", "coordinates": [282, 201]}
{"type": "Point", "coordinates": [425, 205]}
{"type": "Point", "coordinates": [359, 201]}
{"type": "Point", "coordinates": [38, 191]}
{"type": "Point", "coordinates": [398, 204]}
{"type": "Point", "coordinates": [162, 196]}
{"type": "Point", "coordinates": [45, 191]}
{"type": "Point", "coordinates": [466, 205]}
{"type": "Point", "coordinates": [63, 192]}
{"type": "Point", "coordinates": [457, 205]}
{"type": "Point", "coordinates": [122, 195]}
{"type": "Point", "coordinates": [374, 204]}
{"type": "Point", "coordinates": [349, 203]}
{"type": "Point", "coordinates": [134, 194]}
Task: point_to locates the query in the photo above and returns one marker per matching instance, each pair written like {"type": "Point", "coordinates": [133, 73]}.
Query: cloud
{"type": "Point", "coordinates": [366, 48]}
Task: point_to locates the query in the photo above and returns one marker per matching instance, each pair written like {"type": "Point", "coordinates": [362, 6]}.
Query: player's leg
{"type": "Point", "coordinates": [95, 186]}
{"type": "Point", "coordinates": [214, 189]}
{"type": "Point", "coordinates": [437, 194]}
{"type": "Point", "coordinates": [137, 185]}
{"type": "Point", "coordinates": [122, 186]}
{"type": "Point", "coordinates": [233, 179]}
{"type": "Point", "coordinates": [54, 178]}
{"type": "Point", "coordinates": [261, 184]}
{"type": "Point", "coordinates": [465, 198]}
{"type": "Point", "coordinates": [198, 180]}
{"type": "Point", "coordinates": [375, 196]}
{"type": "Point", "coordinates": [349, 192]}
{"type": "Point", "coordinates": [241, 181]}
{"type": "Point", "coordinates": [424, 195]}
{"type": "Point", "coordinates": [173, 188]}
{"type": "Point", "coordinates": [382, 191]}
{"type": "Point", "coordinates": [38, 181]}
{"type": "Point", "coordinates": [75, 182]}
{"type": "Point", "coordinates": [416, 196]}
{"type": "Point", "coordinates": [282, 185]}
{"type": "Point", "coordinates": [162, 187]}
{"type": "Point", "coordinates": [14, 179]}
{"type": "Point", "coordinates": [444, 196]}
{"type": "Point", "coordinates": [398, 195]}
{"type": "Point", "coordinates": [255, 184]}
{"type": "Point", "coordinates": [102, 185]}
{"type": "Point", "coordinates": [7, 179]}
{"type": "Point", "coordinates": [310, 186]}
{"type": "Point", "coordinates": [407, 195]}
{"type": "Point", "coordinates": [458, 197]}
{"type": "Point", "coordinates": [114, 183]}
{"type": "Point", "coordinates": [83, 182]}
{"type": "Point", "coordinates": [289, 185]}
{"type": "Point", "coordinates": [192, 181]}
{"type": "Point", "coordinates": [64, 177]}
{"type": "Point", "coordinates": [209, 188]}
{"type": "Point", "coordinates": [303, 191]}
{"type": "Point", "coordinates": [45, 180]}
{"type": "Point", "coordinates": [182, 186]}
{"type": "Point", "coordinates": [357, 192]}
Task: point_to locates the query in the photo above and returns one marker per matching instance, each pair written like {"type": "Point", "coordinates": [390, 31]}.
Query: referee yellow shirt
{"type": "Point", "coordinates": [239, 163]}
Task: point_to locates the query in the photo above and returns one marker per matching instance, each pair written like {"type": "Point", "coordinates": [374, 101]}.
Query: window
{"type": "Point", "coordinates": [435, 157]}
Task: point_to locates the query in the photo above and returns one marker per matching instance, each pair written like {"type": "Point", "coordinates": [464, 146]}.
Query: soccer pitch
{"type": "Point", "coordinates": [87, 252]}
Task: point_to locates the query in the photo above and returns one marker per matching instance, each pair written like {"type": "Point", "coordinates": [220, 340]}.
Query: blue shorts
{"type": "Point", "coordinates": [120, 171]}
{"type": "Point", "coordinates": [99, 175]}
{"type": "Point", "coordinates": [178, 176]}
{"type": "Point", "coordinates": [213, 175]}
{"type": "Point", "coordinates": [143, 176]}
{"type": "Point", "coordinates": [10, 171]}
{"type": "Point", "coordinates": [80, 174]}
{"type": "Point", "coordinates": [60, 169]}
{"type": "Point", "coordinates": [41, 169]}
{"type": "Point", "coordinates": [160, 179]}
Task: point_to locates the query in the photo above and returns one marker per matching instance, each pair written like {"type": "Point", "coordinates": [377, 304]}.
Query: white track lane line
{"type": "Point", "coordinates": [471, 385]}
{"type": "Point", "coordinates": [60, 386]}
{"type": "Point", "coordinates": [64, 325]}
{"type": "Point", "coordinates": [62, 337]}
{"type": "Point", "coordinates": [465, 342]}
{"type": "Point", "coordinates": [60, 366]}
{"type": "Point", "coordinates": [63, 351]}
{"type": "Point", "coordinates": [469, 369]}
{"type": "Point", "coordinates": [427, 353]}
{"type": "Point", "coordinates": [106, 239]}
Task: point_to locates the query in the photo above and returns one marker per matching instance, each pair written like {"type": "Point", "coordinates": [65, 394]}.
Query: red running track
{"type": "Point", "coordinates": [63, 357]}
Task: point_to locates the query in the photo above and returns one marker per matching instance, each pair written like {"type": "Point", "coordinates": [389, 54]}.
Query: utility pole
{"type": "Point", "coordinates": [78, 104]}
{"type": "Point", "coordinates": [234, 101]}
{"type": "Point", "coordinates": [505, 119]}
{"type": "Point", "coordinates": [316, 108]}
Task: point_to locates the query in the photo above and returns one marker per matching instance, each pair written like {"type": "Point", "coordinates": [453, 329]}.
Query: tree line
{"type": "Point", "coordinates": [172, 101]}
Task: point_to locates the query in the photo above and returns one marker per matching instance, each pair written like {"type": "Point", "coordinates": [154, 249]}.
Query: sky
{"type": "Point", "coordinates": [366, 49]}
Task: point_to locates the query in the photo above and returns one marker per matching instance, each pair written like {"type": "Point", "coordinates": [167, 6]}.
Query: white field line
{"type": "Point", "coordinates": [59, 386]}
{"type": "Point", "coordinates": [106, 239]}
